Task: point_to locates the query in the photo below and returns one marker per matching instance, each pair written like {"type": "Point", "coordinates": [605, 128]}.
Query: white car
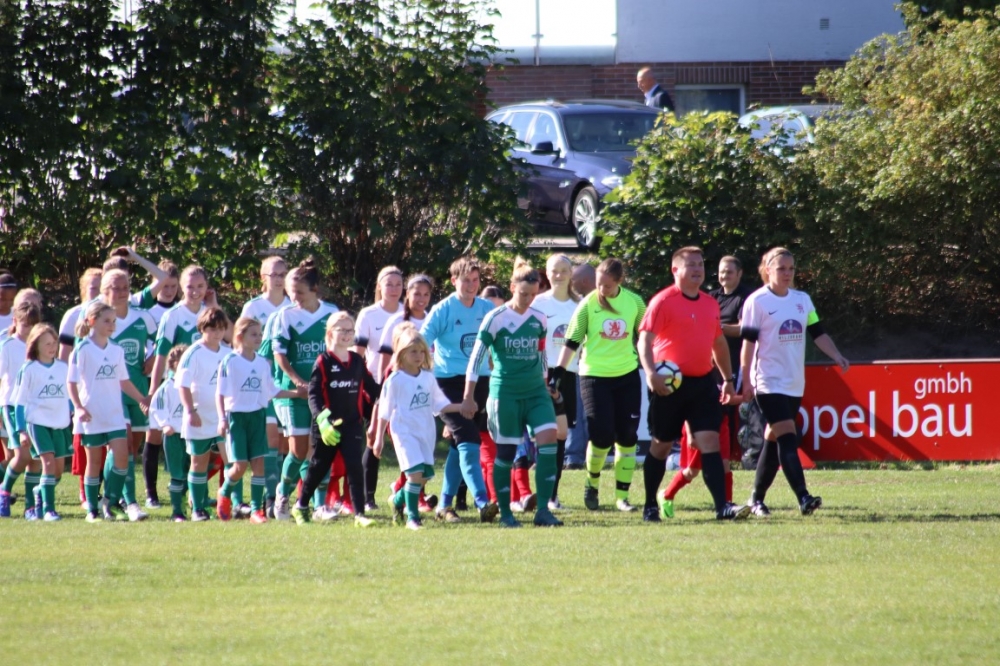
{"type": "Point", "coordinates": [797, 122]}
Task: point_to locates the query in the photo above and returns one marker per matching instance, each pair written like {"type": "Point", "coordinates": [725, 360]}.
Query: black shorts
{"type": "Point", "coordinates": [695, 402]}
{"type": "Point", "coordinates": [567, 387]}
{"type": "Point", "coordinates": [778, 407]}
{"type": "Point", "coordinates": [463, 429]}
{"type": "Point", "coordinates": [612, 406]}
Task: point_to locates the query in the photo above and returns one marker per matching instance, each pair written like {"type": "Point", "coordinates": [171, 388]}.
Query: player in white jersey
{"type": "Point", "coordinates": [42, 412]}
{"type": "Point", "coordinates": [776, 319]}
{"type": "Point", "coordinates": [410, 400]}
{"type": "Point", "coordinates": [272, 298]}
{"type": "Point", "coordinates": [13, 352]}
{"type": "Point", "coordinates": [197, 382]}
{"type": "Point", "coordinates": [166, 414]}
{"type": "Point", "coordinates": [245, 389]}
{"type": "Point", "coordinates": [8, 290]}
{"type": "Point", "coordinates": [558, 305]}
{"type": "Point", "coordinates": [90, 288]}
{"type": "Point", "coordinates": [368, 340]}
{"type": "Point", "coordinates": [98, 375]}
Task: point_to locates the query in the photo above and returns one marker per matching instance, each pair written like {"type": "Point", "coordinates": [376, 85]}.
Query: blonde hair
{"type": "Point", "coordinates": [615, 270]}
{"type": "Point", "coordinates": [110, 276]}
{"type": "Point", "coordinates": [95, 311]}
{"type": "Point", "coordinates": [37, 331]}
{"type": "Point", "coordinates": [174, 356]}
{"type": "Point", "coordinates": [771, 255]}
{"type": "Point", "coordinates": [28, 295]}
{"type": "Point", "coordinates": [194, 271]}
{"type": "Point", "coordinates": [333, 320]}
{"type": "Point", "coordinates": [523, 272]}
{"type": "Point", "coordinates": [26, 314]}
{"type": "Point", "coordinates": [269, 263]}
{"type": "Point", "coordinates": [403, 340]}
{"type": "Point", "coordinates": [384, 273]}
{"type": "Point", "coordinates": [85, 279]}
{"type": "Point", "coordinates": [243, 324]}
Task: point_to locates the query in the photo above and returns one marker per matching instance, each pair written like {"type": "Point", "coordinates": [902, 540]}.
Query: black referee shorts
{"type": "Point", "coordinates": [696, 402]}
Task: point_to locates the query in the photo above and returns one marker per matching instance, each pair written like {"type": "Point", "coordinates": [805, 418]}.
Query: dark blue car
{"type": "Point", "coordinates": [592, 139]}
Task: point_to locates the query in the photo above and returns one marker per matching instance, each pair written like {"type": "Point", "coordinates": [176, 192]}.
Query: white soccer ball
{"type": "Point", "coordinates": [671, 374]}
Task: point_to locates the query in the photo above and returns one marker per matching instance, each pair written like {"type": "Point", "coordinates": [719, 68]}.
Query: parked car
{"type": "Point", "coordinates": [592, 139]}
{"type": "Point", "coordinates": [796, 122]}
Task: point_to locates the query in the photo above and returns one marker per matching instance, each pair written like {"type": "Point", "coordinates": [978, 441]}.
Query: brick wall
{"type": "Point", "coordinates": [766, 83]}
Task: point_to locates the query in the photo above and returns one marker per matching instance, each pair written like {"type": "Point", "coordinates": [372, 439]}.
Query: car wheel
{"type": "Point", "coordinates": [585, 218]}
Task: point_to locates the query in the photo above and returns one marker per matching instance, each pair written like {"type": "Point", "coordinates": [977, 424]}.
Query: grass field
{"type": "Point", "coordinates": [899, 567]}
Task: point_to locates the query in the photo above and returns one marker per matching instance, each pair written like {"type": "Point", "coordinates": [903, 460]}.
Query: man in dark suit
{"type": "Point", "coordinates": [656, 96]}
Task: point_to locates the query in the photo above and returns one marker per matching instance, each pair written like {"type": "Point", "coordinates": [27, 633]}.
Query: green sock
{"type": "Point", "coordinates": [257, 488]}
{"type": "Point", "coordinates": [595, 463]}
{"type": "Point", "coordinates": [236, 488]}
{"type": "Point", "coordinates": [319, 495]}
{"type": "Point", "coordinates": [399, 497]}
{"type": "Point", "coordinates": [501, 482]}
{"type": "Point", "coordinates": [91, 490]}
{"type": "Point", "coordinates": [272, 473]}
{"type": "Point", "coordinates": [10, 478]}
{"type": "Point", "coordinates": [114, 484]}
{"type": "Point", "coordinates": [545, 474]}
{"type": "Point", "coordinates": [48, 484]}
{"type": "Point", "coordinates": [226, 489]}
{"type": "Point", "coordinates": [412, 491]}
{"type": "Point", "coordinates": [624, 469]}
{"type": "Point", "coordinates": [176, 490]}
{"type": "Point", "coordinates": [128, 491]}
{"type": "Point", "coordinates": [198, 489]}
{"type": "Point", "coordinates": [304, 472]}
{"type": "Point", "coordinates": [290, 472]}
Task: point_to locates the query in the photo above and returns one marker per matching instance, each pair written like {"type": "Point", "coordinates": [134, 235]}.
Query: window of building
{"type": "Point", "coordinates": [709, 98]}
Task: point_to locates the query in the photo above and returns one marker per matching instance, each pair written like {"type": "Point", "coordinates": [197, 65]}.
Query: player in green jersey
{"type": "Point", "coordinates": [514, 336]}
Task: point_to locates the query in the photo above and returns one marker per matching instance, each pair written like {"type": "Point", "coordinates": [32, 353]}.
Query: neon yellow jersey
{"type": "Point", "coordinates": [607, 339]}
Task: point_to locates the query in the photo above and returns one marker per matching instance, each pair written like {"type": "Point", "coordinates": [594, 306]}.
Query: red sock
{"type": "Point", "coordinates": [214, 467]}
{"type": "Point", "coordinates": [400, 482]}
{"type": "Point", "coordinates": [333, 491]}
{"type": "Point", "coordinates": [676, 484]}
{"type": "Point", "coordinates": [487, 457]}
{"type": "Point", "coordinates": [729, 485]}
{"type": "Point", "coordinates": [521, 477]}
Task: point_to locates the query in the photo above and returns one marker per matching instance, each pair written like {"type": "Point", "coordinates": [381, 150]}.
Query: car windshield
{"type": "Point", "coordinates": [607, 132]}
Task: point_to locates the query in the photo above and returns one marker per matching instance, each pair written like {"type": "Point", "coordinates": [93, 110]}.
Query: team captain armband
{"type": "Point", "coordinates": [815, 329]}
{"type": "Point", "coordinates": [572, 344]}
{"type": "Point", "coordinates": [749, 334]}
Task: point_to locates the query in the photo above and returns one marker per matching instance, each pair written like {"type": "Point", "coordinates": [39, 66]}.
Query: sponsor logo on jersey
{"type": "Point", "coordinates": [252, 384]}
{"type": "Point", "coordinates": [313, 348]}
{"type": "Point", "coordinates": [131, 349]}
{"type": "Point", "coordinates": [614, 329]}
{"type": "Point", "coordinates": [344, 383]}
{"type": "Point", "coordinates": [106, 372]}
{"type": "Point", "coordinates": [178, 412]}
{"type": "Point", "coordinates": [790, 331]}
{"type": "Point", "coordinates": [51, 391]}
{"type": "Point", "coordinates": [420, 400]}
{"type": "Point", "coordinates": [522, 345]}
{"type": "Point", "coordinates": [559, 335]}
{"type": "Point", "coordinates": [215, 377]}
{"type": "Point", "coordinates": [468, 342]}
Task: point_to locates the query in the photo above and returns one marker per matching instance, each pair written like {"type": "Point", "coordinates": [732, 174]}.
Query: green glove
{"type": "Point", "coordinates": [328, 431]}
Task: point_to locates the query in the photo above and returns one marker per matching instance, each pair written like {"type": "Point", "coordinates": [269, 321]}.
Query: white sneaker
{"type": "Point", "coordinates": [135, 514]}
{"type": "Point", "coordinates": [556, 505]}
{"type": "Point", "coordinates": [624, 506]}
{"type": "Point", "coordinates": [516, 507]}
{"type": "Point", "coordinates": [324, 514]}
{"type": "Point", "coordinates": [281, 509]}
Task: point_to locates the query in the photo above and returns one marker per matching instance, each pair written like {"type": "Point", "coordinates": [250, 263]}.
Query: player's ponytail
{"type": "Point", "coordinates": [523, 272]}
{"type": "Point", "coordinates": [307, 273]}
{"type": "Point", "coordinates": [382, 274]}
{"type": "Point", "coordinates": [94, 312]}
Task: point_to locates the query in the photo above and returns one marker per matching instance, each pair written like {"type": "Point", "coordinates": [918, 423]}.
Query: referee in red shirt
{"type": "Point", "coordinates": [682, 325]}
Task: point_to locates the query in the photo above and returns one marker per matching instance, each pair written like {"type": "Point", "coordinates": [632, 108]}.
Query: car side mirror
{"type": "Point", "coordinates": [544, 148]}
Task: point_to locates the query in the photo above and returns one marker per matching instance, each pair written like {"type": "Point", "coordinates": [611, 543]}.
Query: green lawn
{"type": "Point", "coordinates": [899, 567]}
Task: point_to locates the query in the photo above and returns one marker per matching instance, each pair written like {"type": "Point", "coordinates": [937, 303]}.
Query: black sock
{"type": "Point", "coordinates": [791, 465]}
{"type": "Point", "coordinates": [715, 478]}
{"type": "Point", "coordinates": [370, 464]}
{"type": "Point", "coordinates": [653, 469]}
{"type": "Point", "coordinates": [560, 461]}
{"type": "Point", "coordinates": [767, 469]}
{"type": "Point", "coordinates": [151, 468]}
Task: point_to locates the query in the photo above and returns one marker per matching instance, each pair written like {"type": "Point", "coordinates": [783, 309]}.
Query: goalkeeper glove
{"type": "Point", "coordinates": [328, 431]}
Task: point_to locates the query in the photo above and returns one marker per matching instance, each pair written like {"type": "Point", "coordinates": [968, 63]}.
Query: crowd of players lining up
{"type": "Point", "coordinates": [305, 396]}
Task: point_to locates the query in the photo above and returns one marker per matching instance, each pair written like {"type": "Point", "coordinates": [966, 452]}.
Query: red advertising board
{"type": "Point", "coordinates": [901, 410]}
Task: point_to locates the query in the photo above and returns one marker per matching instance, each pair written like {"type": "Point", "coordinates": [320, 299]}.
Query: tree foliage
{"type": "Point", "coordinates": [380, 155]}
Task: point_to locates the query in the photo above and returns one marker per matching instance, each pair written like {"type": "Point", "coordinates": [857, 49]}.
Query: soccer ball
{"type": "Point", "coordinates": [671, 374]}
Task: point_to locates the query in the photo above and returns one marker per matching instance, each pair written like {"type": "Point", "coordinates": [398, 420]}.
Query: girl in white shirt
{"type": "Point", "coordinates": [166, 413]}
{"type": "Point", "coordinates": [197, 381]}
{"type": "Point", "coordinates": [13, 352]}
{"type": "Point", "coordinates": [97, 378]}
{"type": "Point", "coordinates": [42, 411]}
{"type": "Point", "coordinates": [245, 389]}
{"type": "Point", "coordinates": [409, 402]}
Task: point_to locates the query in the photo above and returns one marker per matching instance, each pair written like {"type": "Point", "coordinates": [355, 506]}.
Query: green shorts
{"type": "Point", "coordinates": [13, 436]}
{"type": "Point", "coordinates": [133, 414]}
{"type": "Point", "coordinates": [199, 447]}
{"type": "Point", "coordinates": [294, 416]}
{"type": "Point", "coordinates": [57, 441]}
{"type": "Point", "coordinates": [507, 424]}
{"type": "Point", "coordinates": [102, 438]}
{"type": "Point", "coordinates": [247, 438]}
{"type": "Point", "coordinates": [178, 460]}
{"type": "Point", "coordinates": [425, 469]}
